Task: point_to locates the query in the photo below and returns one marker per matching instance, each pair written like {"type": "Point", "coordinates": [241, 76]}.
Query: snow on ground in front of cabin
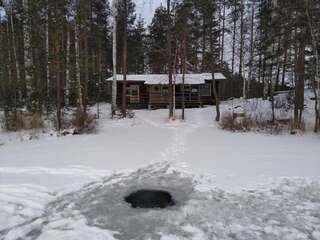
{"type": "Point", "coordinates": [240, 185]}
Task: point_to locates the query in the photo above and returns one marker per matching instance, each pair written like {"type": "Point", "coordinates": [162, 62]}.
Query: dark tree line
{"type": "Point", "coordinates": [288, 37]}
{"type": "Point", "coordinates": [57, 54]}
{"type": "Point", "coordinates": [53, 54]}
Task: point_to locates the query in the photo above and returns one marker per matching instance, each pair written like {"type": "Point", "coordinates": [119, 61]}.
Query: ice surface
{"type": "Point", "coordinates": [289, 209]}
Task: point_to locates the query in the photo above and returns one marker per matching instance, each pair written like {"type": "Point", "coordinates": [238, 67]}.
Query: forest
{"type": "Point", "coordinates": [159, 119]}
{"type": "Point", "coordinates": [57, 55]}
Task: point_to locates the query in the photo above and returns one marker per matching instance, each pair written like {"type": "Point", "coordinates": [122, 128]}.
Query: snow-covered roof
{"type": "Point", "coordinates": [155, 79]}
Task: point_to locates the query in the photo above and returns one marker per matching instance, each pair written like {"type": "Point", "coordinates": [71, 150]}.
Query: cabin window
{"type": "Point", "coordinates": [155, 89]}
{"type": "Point", "coordinates": [132, 90]}
{"type": "Point", "coordinates": [206, 90]}
{"type": "Point", "coordinates": [187, 88]}
{"type": "Point", "coordinates": [194, 89]}
{"type": "Point", "coordinates": [164, 91]}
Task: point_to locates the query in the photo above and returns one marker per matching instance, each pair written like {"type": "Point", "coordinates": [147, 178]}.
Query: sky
{"type": "Point", "coordinates": [2, 13]}
{"type": "Point", "coordinates": [144, 7]}
{"type": "Point", "coordinates": [147, 7]}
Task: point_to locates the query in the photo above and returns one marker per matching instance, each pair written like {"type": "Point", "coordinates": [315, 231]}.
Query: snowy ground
{"type": "Point", "coordinates": [230, 185]}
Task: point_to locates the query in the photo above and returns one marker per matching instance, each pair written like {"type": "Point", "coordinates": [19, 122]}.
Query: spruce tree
{"type": "Point", "coordinates": [157, 42]}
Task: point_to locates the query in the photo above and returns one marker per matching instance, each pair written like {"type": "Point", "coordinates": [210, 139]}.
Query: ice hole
{"type": "Point", "coordinates": [150, 199]}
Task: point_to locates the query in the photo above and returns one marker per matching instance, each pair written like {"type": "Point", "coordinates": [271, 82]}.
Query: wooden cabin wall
{"type": "Point", "coordinates": [141, 102]}
{"type": "Point", "coordinates": [156, 96]}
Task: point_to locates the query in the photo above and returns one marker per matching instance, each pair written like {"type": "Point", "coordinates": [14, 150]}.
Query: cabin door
{"type": "Point", "coordinates": [133, 93]}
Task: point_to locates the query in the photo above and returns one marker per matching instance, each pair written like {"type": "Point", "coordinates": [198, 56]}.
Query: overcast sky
{"type": "Point", "coordinates": [144, 7]}
{"type": "Point", "coordinates": [1, 12]}
{"type": "Point", "coordinates": [147, 7]}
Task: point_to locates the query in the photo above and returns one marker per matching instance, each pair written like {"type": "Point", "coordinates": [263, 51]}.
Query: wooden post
{"type": "Point", "coordinates": [199, 96]}
{"type": "Point", "coordinates": [149, 100]}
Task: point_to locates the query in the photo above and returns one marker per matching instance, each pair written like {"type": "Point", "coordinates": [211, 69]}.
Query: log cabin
{"type": "Point", "coordinates": [151, 90]}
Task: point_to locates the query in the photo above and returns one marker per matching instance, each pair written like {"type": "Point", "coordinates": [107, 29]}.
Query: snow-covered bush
{"type": "Point", "coordinates": [231, 121]}
{"type": "Point", "coordinates": [119, 114]}
{"type": "Point", "coordinates": [83, 122]}
{"type": "Point", "coordinates": [283, 101]}
{"type": "Point", "coordinates": [256, 115]}
{"type": "Point", "coordinates": [22, 120]}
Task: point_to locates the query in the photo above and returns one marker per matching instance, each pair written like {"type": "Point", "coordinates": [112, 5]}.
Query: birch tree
{"type": "Point", "coordinates": [234, 15]}
{"type": "Point", "coordinates": [77, 62]}
{"type": "Point", "coordinates": [223, 31]}
{"type": "Point", "coordinates": [15, 56]}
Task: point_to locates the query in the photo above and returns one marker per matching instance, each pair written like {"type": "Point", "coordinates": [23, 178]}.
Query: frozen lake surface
{"type": "Point", "coordinates": [227, 185]}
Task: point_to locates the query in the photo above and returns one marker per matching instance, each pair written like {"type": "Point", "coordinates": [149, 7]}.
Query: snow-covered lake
{"type": "Point", "coordinates": [259, 186]}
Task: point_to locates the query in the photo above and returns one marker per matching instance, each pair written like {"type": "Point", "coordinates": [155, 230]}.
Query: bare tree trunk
{"type": "Point", "coordinates": [278, 63]}
{"type": "Point", "coordinates": [219, 31]}
{"type": "Point", "coordinates": [125, 55]}
{"type": "Point", "coordinates": [260, 59]}
{"type": "Point", "coordinates": [86, 71]}
{"type": "Point", "coordinates": [284, 66]}
{"type": "Point", "coordinates": [17, 65]}
{"type": "Point", "coordinates": [213, 69]}
{"type": "Point", "coordinates": [295, 56]}
{"type": "Point", "coordinates": [274, 80]}
{"type": "Point", "coordinates": [203, 50]}
{"type": "Point", "coordinates": [234, 37]}
{"type": "Point", "coordinates": [316, 80]}
{"type": "Point", "coordinates": [27, 54]}
{"type": "Point", "coordinates": [10, 77]}
{"type": "Point", "coordinates": [169, 52]}
{"type": "Point", "coordinates": [299, 88]}
{"type": "Point", "coordinates": [216, 98]}
{"type": "Point", "coordinates": [9, 57]}
{"type": "Point", "coordinates": [99, 82]}
{"type": "Point", "coordinates": [175, 57]}
{"type": "Point", "coordinates": [114, 57]}
{"type": "Point", "coordinates": [48, 57]}
{"type": "Point", "coordinates": [58, 78]}
{"type": "Point", "coordinates": [78, 76]}
{"type": "Point", "coordinates": [223, 32]}
{"type": "Point", "coordinates": [2, 71]}
{"type": "Point", "coordinates": [251, 45]}
{"type": "Point", "coordinates": [67, 97]}
{"type": "Point", "coordinates": [264, 81]}
{"type": "Point", "coordinates": [184, 58]}
{"type": "Point", "coordinates": [259, 67]}
{"type": "Point", "coordinates": [241, 64]}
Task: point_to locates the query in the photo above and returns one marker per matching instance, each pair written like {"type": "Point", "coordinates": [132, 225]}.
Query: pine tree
{"type": "Point", "coordinates": [137, 48]}
{"type": "Point", "coordinates": [157, 42]}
